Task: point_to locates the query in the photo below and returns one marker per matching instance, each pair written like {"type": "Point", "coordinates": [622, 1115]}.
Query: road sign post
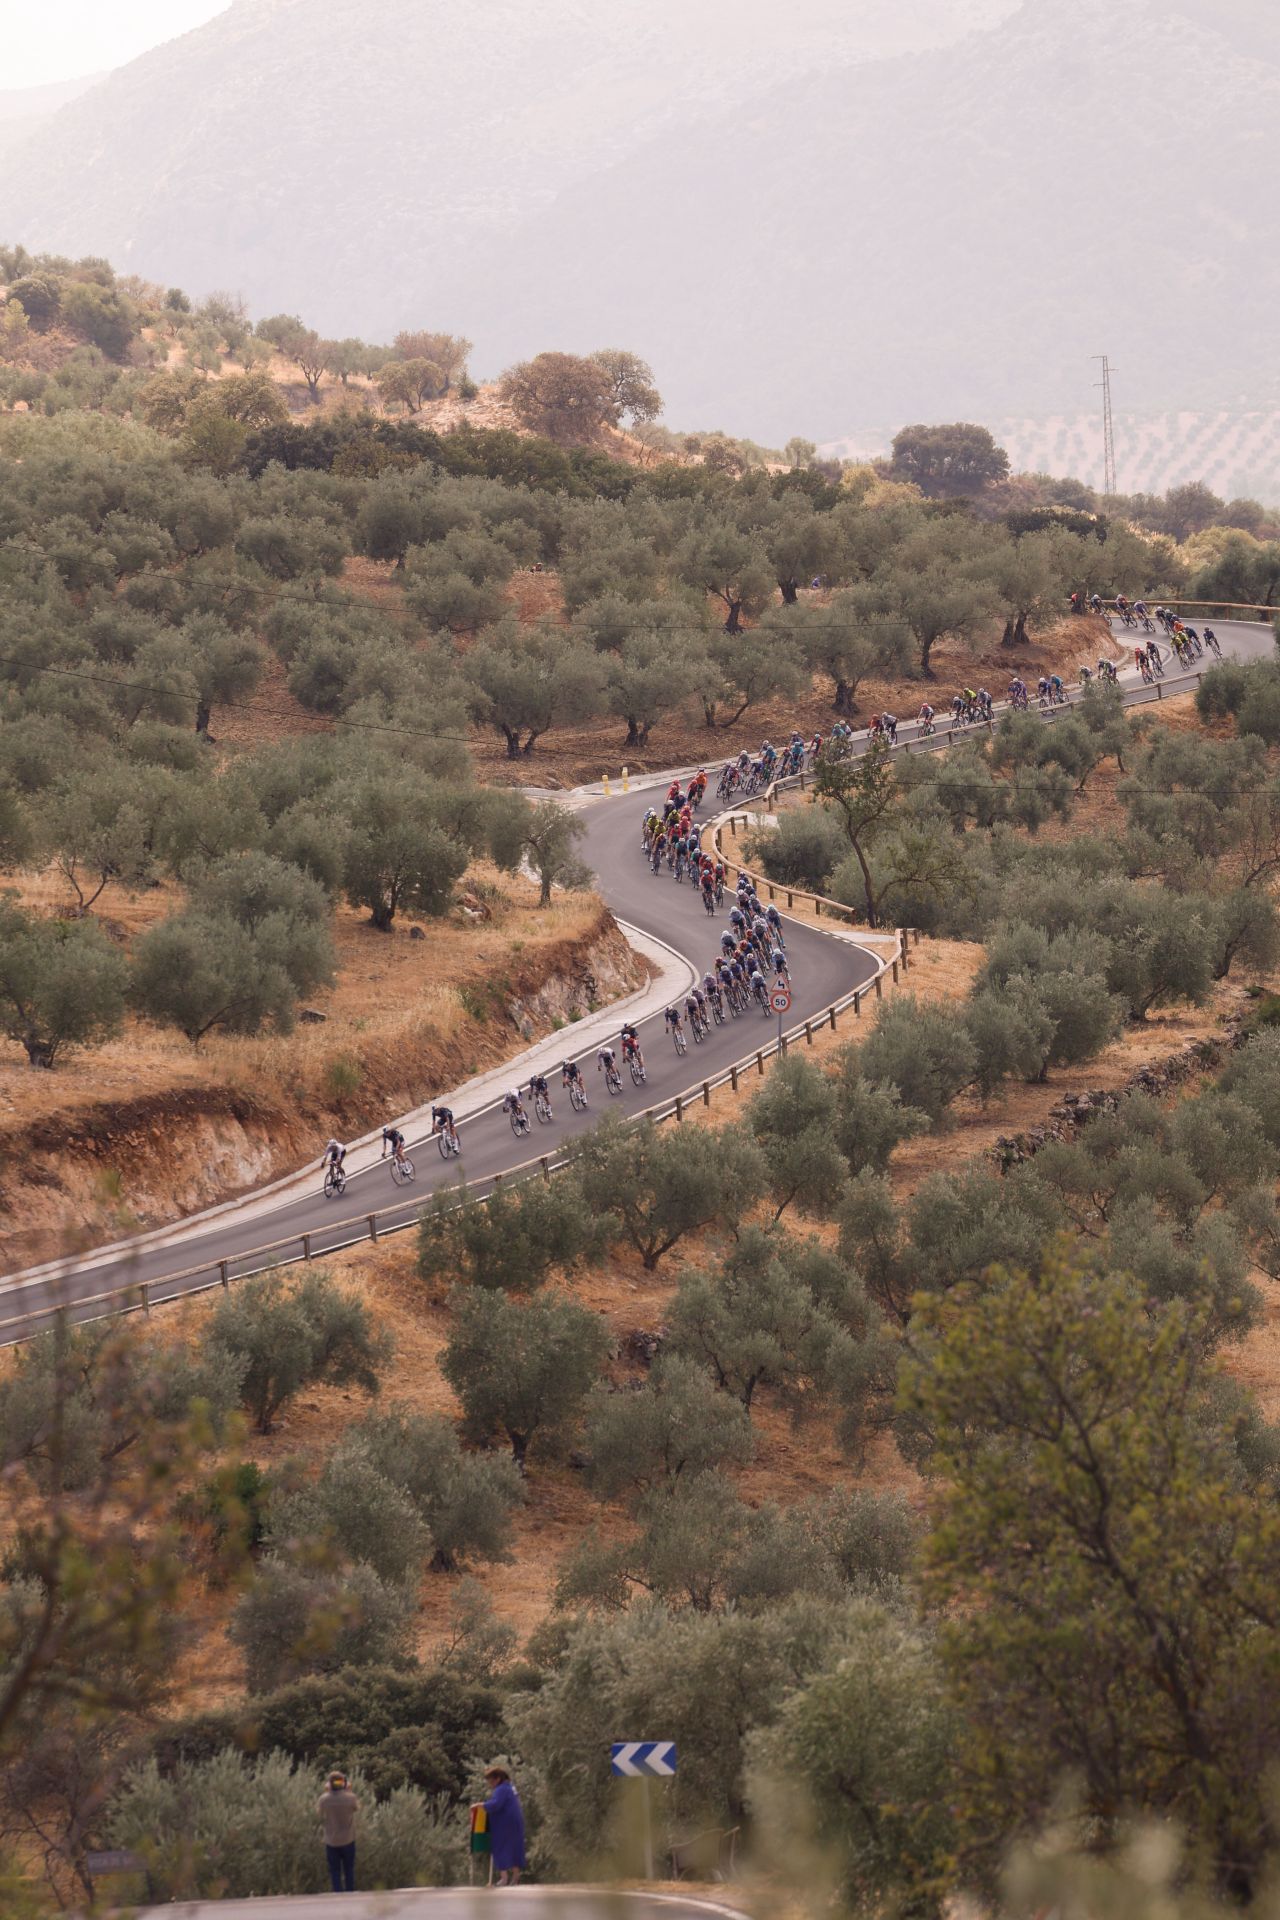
{"type": "Point", "coordinates": [780, 1000]}
{"type": "Point", "coordinates": [645, 1760]}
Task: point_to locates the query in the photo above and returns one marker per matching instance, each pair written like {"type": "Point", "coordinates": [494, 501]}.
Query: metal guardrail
{"type": "Point", "coordinates": [298, 1248]}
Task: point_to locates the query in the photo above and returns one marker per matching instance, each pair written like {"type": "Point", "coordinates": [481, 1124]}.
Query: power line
{"type": "Point", "coordinates": [1108, 430]}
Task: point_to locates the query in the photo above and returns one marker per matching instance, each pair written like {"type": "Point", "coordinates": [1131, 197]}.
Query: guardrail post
{"type": "Point", "coordinates": [915, 936]}
{"type": "Point", "coordinates": [222, 1273]}
{"type": "Point", "coordinates": [894, 965]}
{"type": "Point", "coordinates": [808, 1033]}
{"type": "Point", "coordinates": [879, 986]}
{"type": "Point", "coordinates": [857, 1005]}
{"type": "Point", "coordinates": [790, 898]}
{"type": "Point", "coordinates": [759, 1063]}
{"type": "Point", "coordinates": [782, 1046]}
{"type": "Point", "coordinates": [1159, 690]}
{"type": "Point", "coordinates": [145, 1291]}
{"type": "Point", "coordinates": [679, 1108]}
{"type": "Point", "coordinates": [733, 1078]}
{"type": "Point", "coordinates": [833, 1019]}
{"type": "Point", "coordinates": [733, 828]}
{"type": "Point", "coordinates": [545, 1164]}
{"type": "Point", "coordinates": [373, 1225]}
{"type": "Point", "coordinates": [306, 1246]}
{"type": "Point", "coordinates": [817, 907]}
{"type": "Point", "coordinates": [706, 1093]}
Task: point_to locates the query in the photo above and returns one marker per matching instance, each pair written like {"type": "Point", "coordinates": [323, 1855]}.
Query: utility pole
{"type": "Point", "coordinates": [1108, 428]}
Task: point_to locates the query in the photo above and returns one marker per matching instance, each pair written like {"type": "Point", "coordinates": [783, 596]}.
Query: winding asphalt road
{"type": "Point", "coordinates": [824, 968]}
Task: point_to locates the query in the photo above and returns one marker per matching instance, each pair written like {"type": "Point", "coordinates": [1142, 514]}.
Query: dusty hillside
{"type": "Point", "coordinates": [147, 1127]}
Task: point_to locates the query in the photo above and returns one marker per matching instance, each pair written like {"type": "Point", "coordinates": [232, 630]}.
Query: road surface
{"type": "Point", "coordinates": [531, 1903]}
{"type": "Point", "coordinates": [825, 967]}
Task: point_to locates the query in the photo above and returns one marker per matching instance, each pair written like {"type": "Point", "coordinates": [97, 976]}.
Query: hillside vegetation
{"type": "Point", "coordinates": [883, 1432]}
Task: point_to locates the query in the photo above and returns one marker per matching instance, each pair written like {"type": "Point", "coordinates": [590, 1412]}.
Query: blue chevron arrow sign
{"type": "Point", "coordinates": [644, 1759]}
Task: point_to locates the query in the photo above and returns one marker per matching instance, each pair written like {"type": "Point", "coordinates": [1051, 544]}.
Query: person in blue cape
{"type": "Point", "coordinates": [506, 1823]}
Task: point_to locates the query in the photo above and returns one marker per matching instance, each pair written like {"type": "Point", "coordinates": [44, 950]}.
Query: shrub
{"type": "Point", "coordinates": [295, 1619]}
{"type": "Point", "coordinates": [287, 1338]}
{"type": "Point", "coordinates": [925, 1052]}
{"type": "Point", "coordinates": [464, 1499]}
{"type": "Point", "coordinates": [61, 984]}
{"type": "Point", "coordinates": [512, 1240]}
{"type": "Point", "coordinates": [802, 851]}
{"type": "Point", "coordinates": [522, 1369]}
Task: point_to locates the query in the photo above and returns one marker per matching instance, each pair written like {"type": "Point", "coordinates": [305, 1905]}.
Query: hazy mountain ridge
{"type": "Point", "coordinates": [974, 267]}
{"type": "Point", "coordinates": [800, 236]}
{"type": "Point", "coordinates": [308, 150]}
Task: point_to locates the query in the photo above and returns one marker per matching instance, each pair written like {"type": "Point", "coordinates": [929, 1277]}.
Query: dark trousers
{"type": "Point", "coordinates": [342, 1867]}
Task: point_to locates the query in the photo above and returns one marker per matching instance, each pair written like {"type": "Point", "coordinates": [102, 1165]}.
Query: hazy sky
{"type": "Point", "coordinates": [61, 39]}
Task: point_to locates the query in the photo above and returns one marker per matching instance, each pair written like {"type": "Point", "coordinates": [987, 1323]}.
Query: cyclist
{"type": "Point", "coordinates": [1211, 641]}
{"type": "Point", "coordinates": [889, 727]}
{"type": "Point", "coordinates": [711, 988]}
{"type": "Point", "coordinates": [538, 1089]}
{"type": "Point", "coordinates": [1017, 693]}
{"type": "Point", "coordinates": [737, 918]}
{"type": "Point", "coordinates": [604, 1058]}
{"type": "Point", "coordinates": [1086, 678]}
{"type": "Point", "coordinates": [393, 1138]}
{"type": "Point", "coordinates": [1057, 692]}
{"type": "Point", "coordinates": [334, 1154]}
{"type": "Point", "coordinates": [773, 920]}
{"type": "Point", "coordinates": [1042, 688]}
{"type": "Point", "coordinates": [925, 717]}
{"type": "Point", "coordinates": [631, 1045]}
{"type": "Point", "coordinates": [1153, 656]}
{"type": "Point", "coordinates": [571, 1076]}
{"type": "Point", "coordinates": [675, 1021]}
{"type": "Point", "coordinates": [983, 699]}
{"type": "Point", "coordinates": [695, 1005]}
{"type": "Point", "coordinates": [780, 969]}
{"type": "Point", "coordinates": [442, 1120]}
{"type": "Point", "coordinates": [757, 985]}
{"type": "Point", "coordinates": [1095, 602]}
{"type": "Point", "coordinates": [512, 1103]}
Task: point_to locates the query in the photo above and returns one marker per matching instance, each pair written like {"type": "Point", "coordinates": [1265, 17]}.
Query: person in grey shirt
{"type": "Point", "coordinates": [337, 1808]}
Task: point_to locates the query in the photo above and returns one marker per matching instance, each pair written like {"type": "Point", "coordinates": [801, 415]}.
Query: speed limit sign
{"type": "Point", "coordinates": [780, 999]}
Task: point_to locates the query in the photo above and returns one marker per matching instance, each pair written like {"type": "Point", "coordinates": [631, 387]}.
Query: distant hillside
{"type": "Point", "coordinates": [804, 218]}
{"type": "Point", "coordinates": [349, 156]}
{"type": "Point", "coordinates": [948, 235]}
{"type": "Point", "coordinates": [24, 110]}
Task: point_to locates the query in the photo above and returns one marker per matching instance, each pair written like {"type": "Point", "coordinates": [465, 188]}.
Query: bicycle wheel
{"type": "Point", "coordinates": [402, 1171]}
{"type": "Point", "coordinates": [578, 1097]}
{"type": "Point", "coordinates": [443, 1143]}
{"type": "Point", "coordinates": [334, 1181]}
{"type": "Point", "coordinates": [518, 1122]}
{"type": "Point", "coordinates": [681, 1044]}
{"type": "Point", "coordinates": [613, 1080]}
{"type": "Point", "coordinates": [542, 1107]}
{"type": "Point", "coordinates": [637, 1071]}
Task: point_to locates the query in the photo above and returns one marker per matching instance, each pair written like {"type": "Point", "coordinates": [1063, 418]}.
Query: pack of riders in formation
{"type": "Point", "coordinates": [752, 949]}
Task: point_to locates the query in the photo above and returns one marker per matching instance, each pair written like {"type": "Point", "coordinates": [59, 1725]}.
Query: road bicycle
{"type": "Point", "coordinates": [678, 1040]}
{"type": "Point", "coordinates": [448, 1142]}
{"type": "Point", "coordinates": [401, 1169]}
{"type": "Point", "coordinates": [542, 1107]}
{"type": "Point", "coordinates": [577, 1096]}
{"type": "Point", "coordinates": [613, 1079]}
{"type": "Point", "coordinates": [520, 1121]}
{"type": "Point", "coordinates": [636, 1067]}
{"type": "Point", "coordinates": [335, 1182]}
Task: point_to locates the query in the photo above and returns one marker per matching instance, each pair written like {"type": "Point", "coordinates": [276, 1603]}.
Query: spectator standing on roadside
{"type": "Point", "coordinates": [506, 1823]}
{"type": "Point", "coordinates": [337, 1808]}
